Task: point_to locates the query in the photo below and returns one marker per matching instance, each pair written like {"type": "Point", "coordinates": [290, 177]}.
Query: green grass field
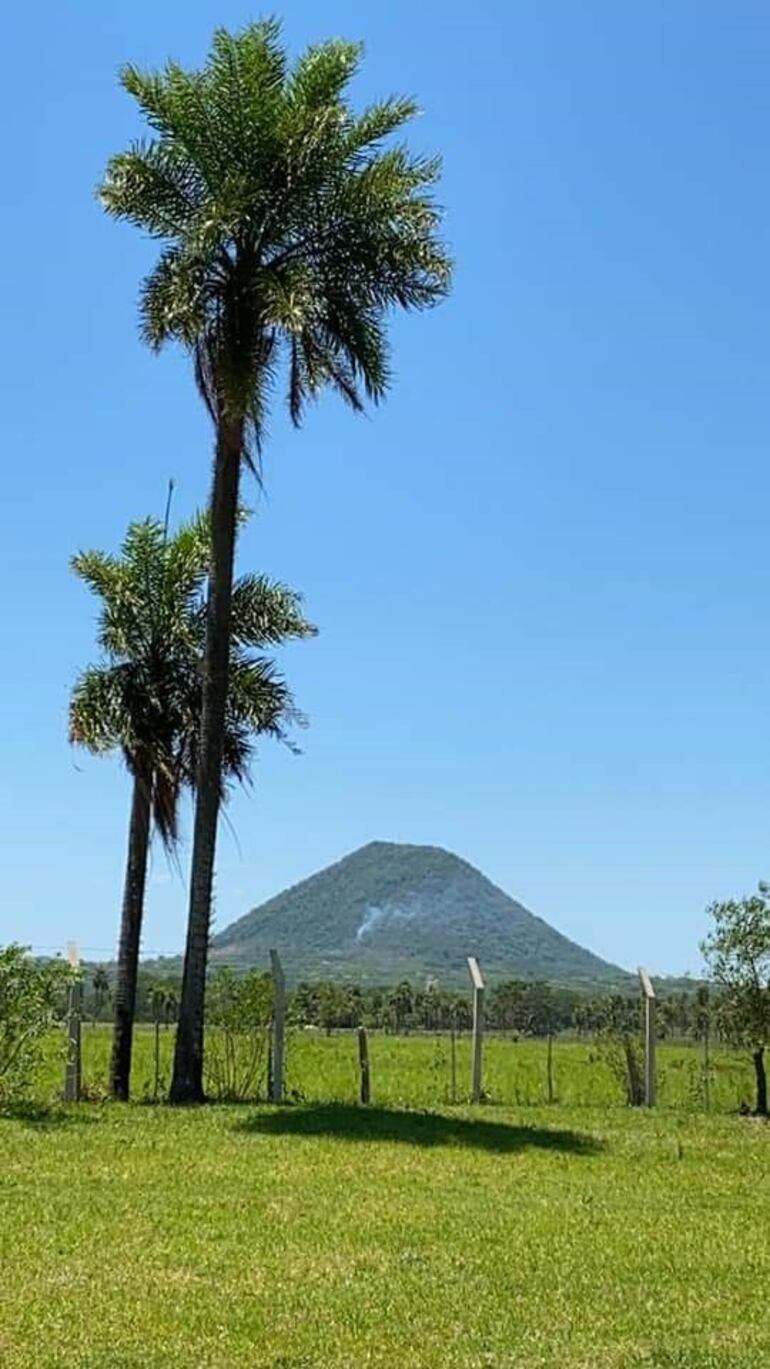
{"type": "Point", "coordinates": [415, 1071]}
{"type": "Point", "coordinates": [326, 1236]}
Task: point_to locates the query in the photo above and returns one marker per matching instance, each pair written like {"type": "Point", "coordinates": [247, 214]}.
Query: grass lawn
{"type": "Point", "coordinates": [328, 1237]}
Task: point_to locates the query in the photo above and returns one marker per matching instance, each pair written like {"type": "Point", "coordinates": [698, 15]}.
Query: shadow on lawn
{"type": "Point", "coordinates": [50, 1117]}
{"type": "Point", "coordinates": [348, 1122]}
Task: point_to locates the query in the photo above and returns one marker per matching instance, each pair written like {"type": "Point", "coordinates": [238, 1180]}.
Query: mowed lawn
{"type": "Point", "coordinates": [331, 1237]}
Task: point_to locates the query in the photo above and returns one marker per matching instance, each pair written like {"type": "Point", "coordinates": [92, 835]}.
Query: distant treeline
{"type": "Point", "coordinates": [518, 1007]}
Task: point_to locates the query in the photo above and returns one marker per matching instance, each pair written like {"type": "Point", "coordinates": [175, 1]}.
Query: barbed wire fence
{"type": "Point", "coordinates": [455, 1058]}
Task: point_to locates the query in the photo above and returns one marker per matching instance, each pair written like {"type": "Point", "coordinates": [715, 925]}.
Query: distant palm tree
{"type": "Point", "coordinates": [290, 233]}
{"type": "Point", "coordinates": [100, 984]}
{"type": "Point", "coordinates": [145, 700]}
{"type": "Point", "coordinates": [159, 997]}
{"type": "Point", "coordinates": [170, 1006]}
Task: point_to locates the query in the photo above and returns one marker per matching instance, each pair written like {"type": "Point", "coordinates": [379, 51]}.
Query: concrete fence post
{"type": "Point", "coordinates": [73, 1069]}
{"type": "Point", "coordinates": [648, 998]}
{"type": "Point", "coordinates": [477, 982]}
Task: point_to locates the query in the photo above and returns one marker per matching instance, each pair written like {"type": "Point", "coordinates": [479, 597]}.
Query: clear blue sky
{"type": "Point", "coordinates": [541, 572]}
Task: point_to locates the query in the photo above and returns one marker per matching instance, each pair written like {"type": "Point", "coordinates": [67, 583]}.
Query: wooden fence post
{"type": "Point", "coordinates": [648, 994]}
{"type": "Point", "coordinates": [478, 1026]}
{"type": "Point", "coordinates": [73, 1070]}
{"type": "Point", "coordinates": [279, 1027]}
{"type": "Point", "coordinates": [156, 1089]}
{"type": "Point", "coordinates": [363, 1062]}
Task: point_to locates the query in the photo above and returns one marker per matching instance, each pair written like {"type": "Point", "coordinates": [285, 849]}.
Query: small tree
{"type": "Point", "coordinates": [333, 1007]}
{"type": "Point", "coordinates": [401, 1002]}
{"type": "Point", "coordinates": [30, 991]}
{"type": "Point", "coordinates": [170, 1006]}
{"type": "Point", "coordinates": [100, 986]}
{"type": "Point", "coordinates": [617, 1025]}
{"type": "Point", "coordinates": [737, 952]}
{"type": "Point", "coordinates": [238, 1013]}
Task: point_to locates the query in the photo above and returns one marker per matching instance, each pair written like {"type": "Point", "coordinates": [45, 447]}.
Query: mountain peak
{"type": "Point", "coordinates": [391, 910]}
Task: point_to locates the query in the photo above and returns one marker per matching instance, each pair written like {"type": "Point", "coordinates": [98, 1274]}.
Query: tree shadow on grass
{"type": "Point", "coordinates": [347, 1122]}
{"type": "Point", "coordinates": [50, 1116]}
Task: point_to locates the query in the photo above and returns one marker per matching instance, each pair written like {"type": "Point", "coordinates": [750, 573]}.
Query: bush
{"type": "Point", "coordinates": [619, 1045]}
{"type": "Point", "coordinates": [30, 992]}
{"type": "Point", "coordinates": [238, 1014]}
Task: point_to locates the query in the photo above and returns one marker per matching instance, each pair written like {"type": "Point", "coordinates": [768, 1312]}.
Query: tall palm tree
{"type": "Point", "coordinates": [291, 228]}
{"type": "Point", "coordinates": [145, 700]}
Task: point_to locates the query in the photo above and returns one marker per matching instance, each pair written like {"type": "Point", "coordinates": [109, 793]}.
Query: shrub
{"type": "Point", "coordinates": [238, 1014]}
{"type": "Point", "coordinates": [30, 992]}
{"type": "Point", "coordinates": [620, 1046]}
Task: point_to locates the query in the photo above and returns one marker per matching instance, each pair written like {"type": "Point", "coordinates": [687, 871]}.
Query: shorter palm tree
{"type": "Point", "coordinates": [145, 700]}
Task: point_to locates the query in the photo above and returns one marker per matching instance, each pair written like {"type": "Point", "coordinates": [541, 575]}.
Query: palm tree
{"type": "Point", "coordinates": [145, 700]}
{"type": "Point", "coordinates": [290, 230]}
{"type": "Point", "coordinates": [100, 984]}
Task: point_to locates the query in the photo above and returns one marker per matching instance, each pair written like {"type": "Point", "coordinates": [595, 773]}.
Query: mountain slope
{"type": "Point", "coordinates": [391, 911]}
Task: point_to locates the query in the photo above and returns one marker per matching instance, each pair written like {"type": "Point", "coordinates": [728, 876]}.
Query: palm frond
{"type": "Point", "coordinates": [168, 781]}
{"type": "Point", "coordinates": [321, 75]}
{"type": "Point", "coordinates": [380, 121]}
{"type": "Point", "coordinates": [96, 710]}
{"type": "Point", "coordinates": [173, 300]}
{"type": "Point", "coordinates": [102, 573]}
{"type": "Point", "coordinates": [152, 186]}
{"type": "Point", "coordinates": [266, 612]}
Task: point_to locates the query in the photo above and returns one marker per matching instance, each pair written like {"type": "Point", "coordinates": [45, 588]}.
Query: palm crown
{"type": "Point", "coordinates": [146, 698]}
{"type": "Point", "coordinates": [289, 228]}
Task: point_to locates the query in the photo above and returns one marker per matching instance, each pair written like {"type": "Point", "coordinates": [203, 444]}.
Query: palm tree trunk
{"type": "Point", "coordinates": [128, 946]}
{"type": "Point", "coordinates": [187, 1079]}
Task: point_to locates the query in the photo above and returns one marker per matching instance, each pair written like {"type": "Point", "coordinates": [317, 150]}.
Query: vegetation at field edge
{"type": "Point", "coordinates": [415, 1071]}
